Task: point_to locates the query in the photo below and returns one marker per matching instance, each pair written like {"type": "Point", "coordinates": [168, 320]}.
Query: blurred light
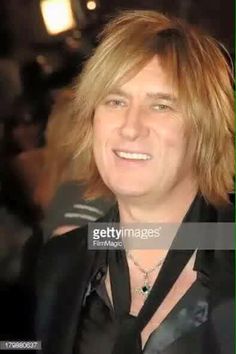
{"type": "Point", "coordinates": [77, 34]}
{"type": "Point", "coordinates": [41, 59]}
{"type": "Point", "coordinates": [57, 15]}
{"type": "Point", "coordinates": [72, 43]}
{"type": "Point", "coordinates": [43, 62]}
{"type": "Point", "coordinates": [91, 5]}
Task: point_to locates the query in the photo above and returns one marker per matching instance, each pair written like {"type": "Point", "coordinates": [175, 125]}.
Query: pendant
{"type": "Point", "coordinates": [145, 289]}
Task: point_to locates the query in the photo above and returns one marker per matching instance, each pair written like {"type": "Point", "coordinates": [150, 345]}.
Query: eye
{"type": "Point", "coordinates": [115, 102]}
{"type": "Point", "coordinates": [161, 107]}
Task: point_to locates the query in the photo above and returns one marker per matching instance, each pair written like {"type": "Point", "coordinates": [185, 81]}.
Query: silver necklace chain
{"type": "Point", "coordinates": [146, 288]}
{"type": "Point", "coordinates": [142, 270]}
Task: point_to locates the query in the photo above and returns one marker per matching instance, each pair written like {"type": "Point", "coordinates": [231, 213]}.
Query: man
{"type": "Point", "coordinates": [153, 127]}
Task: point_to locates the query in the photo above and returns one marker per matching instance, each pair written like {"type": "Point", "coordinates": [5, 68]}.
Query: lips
{"type": "Point", "coordinates": [137, 156]}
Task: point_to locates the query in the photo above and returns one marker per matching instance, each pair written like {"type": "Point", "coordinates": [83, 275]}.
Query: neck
{"type": "Point", "coordinates": [168, 209]}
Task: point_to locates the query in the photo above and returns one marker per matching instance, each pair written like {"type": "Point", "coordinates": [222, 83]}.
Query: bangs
{"type": "Point", "coordinates": [121, 62]}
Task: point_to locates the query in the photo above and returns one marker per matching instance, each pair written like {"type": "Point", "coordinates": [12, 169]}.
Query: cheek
{"type": "Point", "coordinates": [102, 126]}
{"type": "Point", "coordinates": [171, 137]}
{"type": "Point", "coordinates": [99, 134]}
{"type": "Point", "coordinates": [97, 123]}
{"type": "Point", "coordinates": [97, 138]}
{"type": "Point", "coordinates": [102, 132]}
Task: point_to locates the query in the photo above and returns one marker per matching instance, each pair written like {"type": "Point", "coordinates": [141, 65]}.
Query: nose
{"type": "Point", "coordinates": [133, 124]}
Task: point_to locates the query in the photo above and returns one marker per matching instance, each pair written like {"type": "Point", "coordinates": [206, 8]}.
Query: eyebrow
{"type": "Point", "coordinates": [162, 95]}
{"type": "Point", "coordinates": [151, 95]}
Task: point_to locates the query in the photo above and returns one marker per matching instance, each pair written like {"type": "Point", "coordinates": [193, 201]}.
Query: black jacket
{"type": "Point", "coordinates": [64, 271]}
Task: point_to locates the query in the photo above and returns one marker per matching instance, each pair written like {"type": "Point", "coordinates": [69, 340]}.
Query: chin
{"type": "Point", "coordinates": [123, 186]}
{"type": "Point", "coordinates": [128, 192]}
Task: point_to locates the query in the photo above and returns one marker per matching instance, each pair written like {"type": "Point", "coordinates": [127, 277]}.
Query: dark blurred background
{"type": "Point", "coordinates": [43, 45]}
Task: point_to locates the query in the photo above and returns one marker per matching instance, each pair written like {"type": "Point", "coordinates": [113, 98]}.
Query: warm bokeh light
{"type": "Point", "coordinates": [91, 5]}
{"type": "Point", "coordinates": [57, 15]}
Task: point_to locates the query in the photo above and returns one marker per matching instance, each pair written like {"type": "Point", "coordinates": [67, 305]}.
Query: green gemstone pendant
{"type": "Point", "coordinates": [145, 289]}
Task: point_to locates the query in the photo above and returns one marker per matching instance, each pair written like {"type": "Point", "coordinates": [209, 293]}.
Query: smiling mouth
{"type": "Point", "coordinates": [132, 155]}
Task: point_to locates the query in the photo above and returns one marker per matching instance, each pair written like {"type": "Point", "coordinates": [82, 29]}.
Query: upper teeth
{"type": "Point", "coordinates": [130, 155]}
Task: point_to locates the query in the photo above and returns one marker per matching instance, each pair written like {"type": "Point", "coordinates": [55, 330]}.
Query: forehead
{"type": "Point", "coordinates": [151, 78]}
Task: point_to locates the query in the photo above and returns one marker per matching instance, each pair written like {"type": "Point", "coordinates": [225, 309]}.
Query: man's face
{"type": "Point", "coordinates": [140, 143]}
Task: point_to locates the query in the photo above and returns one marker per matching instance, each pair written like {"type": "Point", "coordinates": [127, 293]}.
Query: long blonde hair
{"type": "Point", "coordinates": [203, 80]}
{"type": "Point", "coordinates": [57, 166]}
